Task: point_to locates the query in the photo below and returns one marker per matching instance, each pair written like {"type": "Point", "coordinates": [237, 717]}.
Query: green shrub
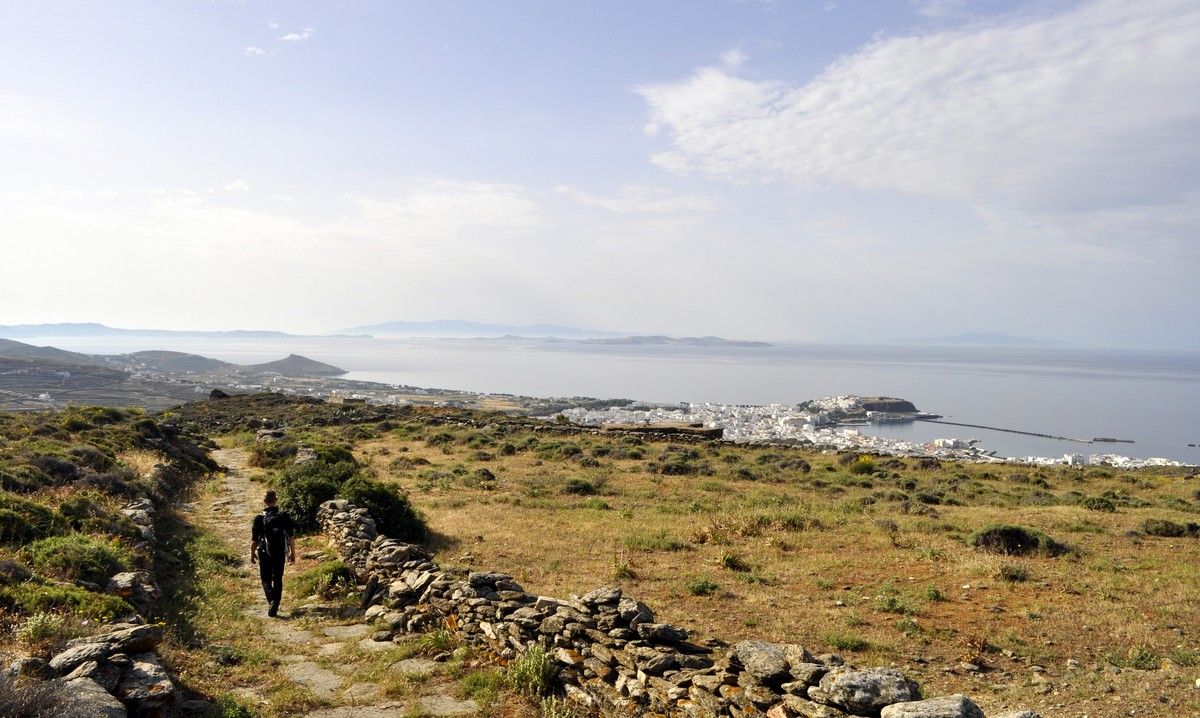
{"type": "Point", "coordinates": [328, 579]}
{"type": "Point", "coordinates": [1013, 573]}
{"type": "Point", "coordinates": [1169, 529]}
{"type": "Point", "coordinates": [533, 672]}
{"type": "Point", "coordinates": [580, 487]}
{"type": "Point", "coordinates": [394, 516]}
{"type": "Point", "coordinates": [862, 465]}
{"type": "Point", "coordinates": [30, 598]}
{"type": "Point", "coordinates": [22, 521]}
{"type": "Point", "coordinates": [43, 626]}
{"type": "Point", "coordinates": [303, 488]}
{"type": "Point", "coordinates": [846, 642]}
{"type": "Point", "coordinates": [1098, 503]}
{"type": "Point", "coordinates": [1011, 540]}
{"type": "Point", "coordinates": [78, 557]}
{"type": "Point", "coordinates": [701, 587]}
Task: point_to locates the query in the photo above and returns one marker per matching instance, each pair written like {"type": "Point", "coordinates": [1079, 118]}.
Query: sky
{"type": "Point", "coordinates": [815, 170]}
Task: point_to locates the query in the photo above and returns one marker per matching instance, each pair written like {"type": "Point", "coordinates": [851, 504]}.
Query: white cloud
{"type": "Point", "coordinates": [255, 51]}
{"type": "Point", "coordinates": [272, 25]}
{"type": "Point", "coordinates": [237, 185]}
{"type": "Point", "coordinates": [298, 36]}
{"type": "Point", "coordinates": [641, 200]}
{"type": "Point", "coordinates": [1095, 106]}
{"type": "Point", "coordinates": [734, 58]}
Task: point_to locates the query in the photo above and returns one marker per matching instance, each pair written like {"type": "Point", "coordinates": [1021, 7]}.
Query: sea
{"type": "Point", "coordinates": [1149, 398]}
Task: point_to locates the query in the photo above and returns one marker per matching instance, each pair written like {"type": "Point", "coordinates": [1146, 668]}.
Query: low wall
{"type": "Point", "coordinates": [615, 656]}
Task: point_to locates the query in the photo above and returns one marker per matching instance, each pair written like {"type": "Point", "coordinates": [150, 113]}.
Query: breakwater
{"type": "Point", "coordinates": [1008, 431]}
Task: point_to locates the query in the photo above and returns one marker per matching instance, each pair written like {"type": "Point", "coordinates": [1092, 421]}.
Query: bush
{"type": "Point", "coordinates": [394, 515]}
{"type": "Point", "coordinates": [328, 579]}
{"type": "Point", "coordinates": [1013, 573]}
{"type": "Point", "coordinates": [303, 488]}
{"type": "Point", "coordinates": [30, 598]}
{"type": "Point", "coordinates": [701, 587]}
{"type": "Point", "coordinates": [23, 521]}
{"type": "Point", "coordinates": [846, 642]}
{"type": "Point", "coordinates": [862, 465]}
{"type": "Point", "coordinates": [1169, 529]}
{"type": "Point", "coordinates": [533, 672]}
{"type": "Point", "coordinates": [78, 557]}
{"type": "Point", "coordinates": [1098, 503]}
{"type": "Point", "coordinates": [1011, 540]}
{"type": "Point", "coordinates": [579, 487]}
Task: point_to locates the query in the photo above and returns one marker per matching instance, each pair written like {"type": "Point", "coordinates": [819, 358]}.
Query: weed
{"type": "Point", "coordinates": [1012, 573]}
{"type": "Point", "coordinates": [533, 672]}
{"type": "Point", "coordinates": [735, 562]}
{"type": "Point", "coordinates": [657, 541]}
{"type": "Point", "coordinates": [701, 587]}
{"type": "Point", "coordinates": [1014, 540]}
{"type": "Point", "coordinates": [846, 642]}
{"type": "Point", "coordinates": [933, 593]}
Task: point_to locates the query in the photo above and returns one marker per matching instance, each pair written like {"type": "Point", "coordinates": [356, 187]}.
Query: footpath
{"type": "Point", "coordinates": [320, 649]}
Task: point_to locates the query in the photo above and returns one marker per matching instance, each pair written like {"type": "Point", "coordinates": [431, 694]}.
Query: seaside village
{"type": "Point", "coordinates": [827, 423]}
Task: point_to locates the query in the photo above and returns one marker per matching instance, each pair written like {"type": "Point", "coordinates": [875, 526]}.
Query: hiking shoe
{"type": "Point", "coordinates": [273, 610]}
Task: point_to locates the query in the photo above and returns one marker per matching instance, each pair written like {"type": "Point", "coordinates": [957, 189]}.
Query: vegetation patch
{"type": "Point", "coordinates": [79, 557]}
{"type": "Point", "coordinates": [1170, 529]}
{"type": "Point", "coordinates": [1013, 540]}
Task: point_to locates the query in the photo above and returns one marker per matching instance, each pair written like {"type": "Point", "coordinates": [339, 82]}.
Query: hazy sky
{"type": "Point", "coordinates": [807, 169]}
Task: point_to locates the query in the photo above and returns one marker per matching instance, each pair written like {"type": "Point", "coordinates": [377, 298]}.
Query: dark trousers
{"type": "Point", "coordinates": [270, 568]}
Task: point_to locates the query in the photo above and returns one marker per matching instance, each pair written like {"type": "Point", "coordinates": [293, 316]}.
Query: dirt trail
{"type": "Point", "coordinates": [319, 651]}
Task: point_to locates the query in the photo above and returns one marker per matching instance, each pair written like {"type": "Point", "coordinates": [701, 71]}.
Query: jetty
{"type": "Point", "coordinates": [1009, 431]}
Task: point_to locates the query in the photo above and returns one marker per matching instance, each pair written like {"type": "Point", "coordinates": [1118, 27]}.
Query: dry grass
{"type": "Point", "coordinates": [832, 558]}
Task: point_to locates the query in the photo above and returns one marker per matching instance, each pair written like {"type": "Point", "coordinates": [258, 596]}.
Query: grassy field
{"type": "Point", "coordinates": [869, 556]}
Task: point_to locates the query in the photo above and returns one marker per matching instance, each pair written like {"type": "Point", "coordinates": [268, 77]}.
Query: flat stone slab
{"type": "Point", "coordinates": [293, 658]}
{"type": "Point", "coordinates": [317, 679]}
{"type": "Point", "coordinates": [440, 704]}
{"type": "Point", "coordinates": [281, 631]}
{"type": "Point", "coordinates": [383, 710]}
{"type": "Point", "coordinates": [414, 667]}
{"type": "Point", "coordinates": [361, 692]}
{"type": "Point", "coordinates": [331, 649]}
{"type": "Point", "coordinates": [354, 630]}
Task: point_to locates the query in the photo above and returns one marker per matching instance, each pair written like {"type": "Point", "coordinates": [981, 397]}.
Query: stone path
{"type": "Point", "coordinates": [318, 651]}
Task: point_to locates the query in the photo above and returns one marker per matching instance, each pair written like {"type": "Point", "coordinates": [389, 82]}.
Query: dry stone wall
{"type": "Point", "coordinates": [615, 656]}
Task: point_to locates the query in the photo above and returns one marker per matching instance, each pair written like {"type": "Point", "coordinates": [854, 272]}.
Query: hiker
{"type": "Point", "coordinates": [270, 543]}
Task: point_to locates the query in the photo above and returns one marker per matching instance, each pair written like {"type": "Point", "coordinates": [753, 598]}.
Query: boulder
{"type": "Point", "coordinates": [136, 587]}
{"type": "Point", "coordinates": [765, 661]}
{"type": "Point", "coordinates": [122, 638]}
{"type": "Point", "coordinates": [145, 687]}
{"type": "Point", "coordinates": [802, 708]}
{"type": "Point", "coordinates": [86, 697]}
{"type": "Point", "coordinates": [864, 691]}
{"type": "Point", "coordinates": [955, 706]}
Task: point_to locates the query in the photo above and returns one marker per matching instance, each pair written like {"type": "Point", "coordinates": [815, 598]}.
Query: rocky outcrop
{"type": "Point", "coordinates": [612, 652]}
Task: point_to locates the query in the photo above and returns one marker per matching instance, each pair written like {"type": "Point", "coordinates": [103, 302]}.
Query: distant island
{"type": "Point", "coordinates": [168, 361]}
{"type": "Point", "coordinates": [660, 340]}
{"type": "Point", "coordinates": [462, 329]}
{"type": "Point", "coordinates": [93, 329]}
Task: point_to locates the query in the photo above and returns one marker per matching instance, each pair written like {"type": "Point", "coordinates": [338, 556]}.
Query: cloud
{"type": "Point", "coordinates": [255, 51]}
{"type": "Point", "coordinates": [734, 58]}
{"type": "Point", "coordinates": [1093, 107]}
{"type": "Point", "coordinates": [272, 25]}
{"type": "Point", "coordinates": [237, 185]}
{"type": "Point", "coordinates": [641, 200]}
{"type": "Point", "coordinates": [298, 36]}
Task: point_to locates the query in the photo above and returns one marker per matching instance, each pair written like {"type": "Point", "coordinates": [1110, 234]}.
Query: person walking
{"type": "Point", "coordinates": [271, 543]}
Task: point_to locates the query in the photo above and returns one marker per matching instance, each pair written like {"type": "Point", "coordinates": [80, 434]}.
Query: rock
{"type": "Point", "coordinates": [145, 687]}
{"type": "Point", "coordinates": [31, 667]}
{"type": "Point", "coordinates": [136, 587]}
{"type": "Point", "coordinates": [808, 673]}
{"type": "Point", "coordinates": [86, 697]}
{"type": "Point", "coordinates": [765, 661]}
{"type": "Point", "coordinates": [634, 612]}
{"type": "Point", "coordinates": [605, 595]}
{"type": "Point", "coordinates": [106, 673]}
{"type": "Point", "coordinates": [864, 691]}
{"type": "Point", "coordinates": [568, 656]}
{"type": "Point", "coordinates": [808, 709]}
{"type": "Point", "coordinates": [1018, 714]}
{"type": "Point", "coordinates": [305, 454]}
{"type": "Point", "coordinates": [76, 656]}
{"type": "Point", "coordinates": [955, 706]}
{"type": "Point", "coordinates": [661, 633]}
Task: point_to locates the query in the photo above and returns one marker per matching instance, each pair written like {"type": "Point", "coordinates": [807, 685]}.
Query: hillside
{"type": "Point", "coordinates": [20, 350]}
{"type": "Point", "coordinates": [294, 365]}
{"type": "Point", "coordinates": [182, 362]}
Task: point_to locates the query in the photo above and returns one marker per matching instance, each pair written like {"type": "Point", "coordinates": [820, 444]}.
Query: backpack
{"type": "Point", "coordinates": [274, 533]}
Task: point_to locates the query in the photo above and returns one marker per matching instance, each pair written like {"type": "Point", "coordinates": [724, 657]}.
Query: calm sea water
{"type": "Point", "coordinates": [1150, 398]}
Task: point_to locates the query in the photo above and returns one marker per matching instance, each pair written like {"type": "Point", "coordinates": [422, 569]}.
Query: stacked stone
{"type": "Point", "coordinates": [612, 653]}
{"type": "Point", "coordinates": [111, 674]}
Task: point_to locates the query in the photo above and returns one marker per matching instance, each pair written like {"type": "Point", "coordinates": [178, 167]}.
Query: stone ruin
{"type": "Point", "coordinates": [614, 656]}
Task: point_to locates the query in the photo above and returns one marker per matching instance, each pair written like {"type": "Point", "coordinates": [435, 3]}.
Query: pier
{"type": "Point", "coordinates": [1009, 431]}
